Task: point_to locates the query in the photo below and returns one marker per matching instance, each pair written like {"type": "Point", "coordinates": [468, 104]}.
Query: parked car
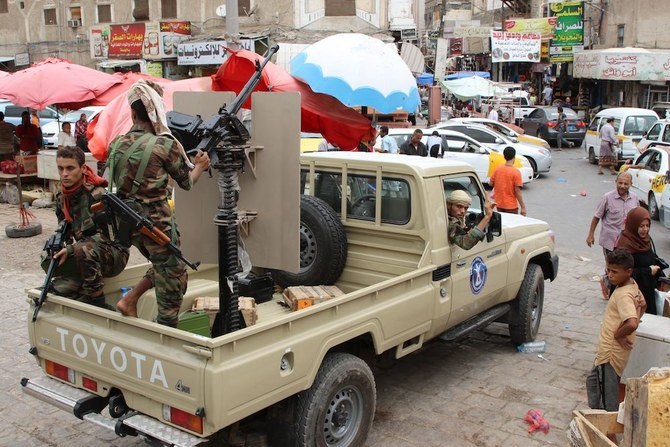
{"type": "Point", "coordinates": [13, 113]}
{"type": "Point", "coordinates": [510, 130]}
{"type": "Point", "coordinates": [658, 133]}
{"type": "Point", "coordinates": [630, 124]}
{"type": "Point", "coordinates": [542, 123]}
{"type": "Point", "coordinates": [51, 130]}
{"type": "Point", "coordinates": [538, 157]}
{"type": "Point", "coordinates": [460, 147]}
{"type": "Point", "coordinates": [649, 176]}
{"type": "Point", "coordinates": [662, 109]}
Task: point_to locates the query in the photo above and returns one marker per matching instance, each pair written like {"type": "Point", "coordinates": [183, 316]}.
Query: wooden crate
{"type": "Point", "coordinates": [300, 297]}
{"type": "Point", "coordinates": [594, 426]}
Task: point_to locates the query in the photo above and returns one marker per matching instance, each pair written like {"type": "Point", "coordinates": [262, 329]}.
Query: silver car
{"type": "Point", "coordinates": [538, 157]}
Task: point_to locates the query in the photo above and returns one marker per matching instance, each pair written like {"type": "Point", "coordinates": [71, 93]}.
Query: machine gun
{"type": "Point", "coordinates": [145, 226]}
{"type": "Point", "coordinates": [53, 245]}
{"type": "Point", "coordinates": [225, 136]}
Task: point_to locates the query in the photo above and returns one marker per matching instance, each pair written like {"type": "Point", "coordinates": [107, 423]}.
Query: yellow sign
{"type": "Point", "coordinates": [543, 26]}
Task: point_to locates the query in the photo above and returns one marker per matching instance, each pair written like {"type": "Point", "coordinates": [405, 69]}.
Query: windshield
{"type": "Point", "coordinates": [638, 125]}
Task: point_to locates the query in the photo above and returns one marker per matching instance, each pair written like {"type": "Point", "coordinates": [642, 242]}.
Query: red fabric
{"type": "Point", "coordinates": [126, 81]}
{"type": "Point", "coordinates": [28, 135]}
{"type": "Point", "coordinates": [89, 177]}
{"type": "Point", "coordinates": [55, 82]}
{"type": "Point", "coordinates": [320, 113]}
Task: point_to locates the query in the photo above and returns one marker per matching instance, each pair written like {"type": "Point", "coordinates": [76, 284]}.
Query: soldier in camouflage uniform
{"type": "Point", "coordinates": [141, 163]}
{"type": "Point", "coordinates": [93, 256]}
{"type": "Point", "coordinates": [458, 203]}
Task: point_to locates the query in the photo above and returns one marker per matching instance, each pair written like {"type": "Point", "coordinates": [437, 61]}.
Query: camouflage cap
{"type": "Point", "coordinates": [459, 196]}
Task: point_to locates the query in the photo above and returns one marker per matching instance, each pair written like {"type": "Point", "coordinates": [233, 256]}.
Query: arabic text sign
{"type": "Point", "coordinates": [569, 23]}
{"type": "Point", "coordinates": [622, 66]}
{"type": "Point", "coordinates": [515, 47]}
{"type": "Point", "coordinates": [126, 41]}
{"type": "Point", "coordinates": [472, 31]}
{"type": "Point", "coordinates": [544, 26]}
{"type": "Point", "coordinates": [171, 34]}
{"type": "Point", "coordinates": [202, 53]}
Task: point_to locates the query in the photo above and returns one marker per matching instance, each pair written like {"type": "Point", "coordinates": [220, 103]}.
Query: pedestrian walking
{"type": "Point", "coordinates": [561, 127]}
{"type": "Point", "coordinates": [506, 182]}
{"type": "Point", "coordinates": [547, 95]}
{"type": "Point", "coordinates": [612, 210]}
{"type": "Point", "coordinates": [151, 157]}
{"type": "Point", "coordinates": [608, 141]}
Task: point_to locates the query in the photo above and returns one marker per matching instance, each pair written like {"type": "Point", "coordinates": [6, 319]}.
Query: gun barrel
{"type": "Point", "coordinates": [251, 83]}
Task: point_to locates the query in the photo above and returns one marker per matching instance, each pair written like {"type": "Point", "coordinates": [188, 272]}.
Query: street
{"type": "Point", "coordinates": [472, 393]}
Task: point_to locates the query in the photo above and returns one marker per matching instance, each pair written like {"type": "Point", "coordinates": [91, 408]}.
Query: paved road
{"type": "Point", "coordinates": [473, 393]}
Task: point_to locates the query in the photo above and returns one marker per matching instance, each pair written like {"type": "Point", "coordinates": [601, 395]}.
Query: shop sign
{"type": "Point", "coordinates": [155, 69]}
{"type": "Point", "coordinates": [544, 26]}
{"type": "Point", "coordinates": [455, 47]}
{"type": "Point", "coordinates": [622, 65]}
{"type": "Point", "coordinates": [544, 52]}
{"type": "Point", "coordinates": [466, 30]}
{"type": "Point", "coordinates": [171, 35]}
{"type": "Point", "coordinates": [515, 47]}
{"type": "Point", "coordinates": [126, 41]}
{"type": "Point", "coordinates": [21, 59]}
{"type": "Point", "coordinates": [569, 24]}
{"type": "Point", "coordinates": [202, 53]}
{"type": "Point", "coordinates": [152, 41]}
{"type": "Point", "coordinates": [563, 54]}
{"type": "Point", "coordinates": [99, 40]}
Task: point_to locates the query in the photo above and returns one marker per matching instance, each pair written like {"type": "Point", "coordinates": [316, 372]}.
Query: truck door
{"type": "Point", "coordinates": [479, 274]}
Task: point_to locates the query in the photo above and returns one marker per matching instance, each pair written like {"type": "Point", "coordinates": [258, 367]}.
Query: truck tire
{"type": "Point", "coordinates": [526, 313]}
{"type": "Point", "coordinates": [323, 246]}
{"type": "Point", "coordinates": [339, 407]}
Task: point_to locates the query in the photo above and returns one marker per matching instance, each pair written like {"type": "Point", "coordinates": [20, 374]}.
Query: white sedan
{"type": "Point", "coordinates": [51, 130]}
{"type": "Point", "coordinates": [457, 146]}
{"type": "Point", "coordinates": [649, 176]}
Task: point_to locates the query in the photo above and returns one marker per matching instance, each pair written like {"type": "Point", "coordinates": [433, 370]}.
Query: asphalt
{"type": "Point", "coordinates": [472, 393]}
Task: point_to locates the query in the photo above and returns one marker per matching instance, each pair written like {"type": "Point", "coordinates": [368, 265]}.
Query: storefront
{"type": "Point", "coordinates": [634, 77]}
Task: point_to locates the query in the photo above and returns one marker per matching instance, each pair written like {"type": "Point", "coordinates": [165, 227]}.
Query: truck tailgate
{"type": "Point", "coordinates": [149, 364]}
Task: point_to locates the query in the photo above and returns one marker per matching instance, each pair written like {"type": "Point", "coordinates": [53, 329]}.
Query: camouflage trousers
{"type": "Point", "coordinates": [168, 273]}
{"type": "Point", "coordinates": [92, 260]}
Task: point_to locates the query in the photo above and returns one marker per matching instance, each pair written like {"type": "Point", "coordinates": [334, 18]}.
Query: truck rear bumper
{"type": "Point", "coordinates": [87, 406]}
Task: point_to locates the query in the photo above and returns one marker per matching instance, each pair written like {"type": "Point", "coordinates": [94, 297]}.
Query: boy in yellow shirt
{"type": "Point", "coordinates": [617, 333]}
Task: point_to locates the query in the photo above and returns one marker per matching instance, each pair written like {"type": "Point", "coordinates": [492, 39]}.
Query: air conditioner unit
{"type": "Point", "coordinates": [75, 23]}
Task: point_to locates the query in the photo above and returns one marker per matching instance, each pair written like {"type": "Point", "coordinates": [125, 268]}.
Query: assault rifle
{"type": "Point", "coordinates": [145, 226]}
{"type": "Point", "coordinates": [53, 245]}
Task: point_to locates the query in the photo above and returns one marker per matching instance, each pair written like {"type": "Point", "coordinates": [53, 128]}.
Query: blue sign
{"type": "Point", "coordinates": [478, 272]}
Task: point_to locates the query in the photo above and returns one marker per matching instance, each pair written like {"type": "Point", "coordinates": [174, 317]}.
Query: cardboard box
{"type": "Point", "coordinates": [300, 297]}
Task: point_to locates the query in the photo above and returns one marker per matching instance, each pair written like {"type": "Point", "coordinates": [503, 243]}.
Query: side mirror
{"type": "Point", "coordinates": [482, 150]}
{"type": "Point", "coordinates": [494, 228]}
{"type": "Point", "coordinates": [499, 140]}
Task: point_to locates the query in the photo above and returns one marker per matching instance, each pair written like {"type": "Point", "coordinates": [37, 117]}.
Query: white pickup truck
{"type": "Point", "coordinates": [404, 284]}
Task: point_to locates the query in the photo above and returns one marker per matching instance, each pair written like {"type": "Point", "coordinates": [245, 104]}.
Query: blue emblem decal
{"type": "Point", "coordinates": [477, 275]}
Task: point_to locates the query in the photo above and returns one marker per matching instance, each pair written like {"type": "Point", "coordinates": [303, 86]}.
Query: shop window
{"type": "Point", "coordinates": [50, 17]}
{"type": "Point", "coordinates": [619, 35]}
{"type": "Point", "coordinates": [3, 6]}
{"type": "Point", "coordinates": [141, 10]}
{"type": "Point", "coordinates": [169, 9]}
{"type": "Point", "coordinates": [104, 13]}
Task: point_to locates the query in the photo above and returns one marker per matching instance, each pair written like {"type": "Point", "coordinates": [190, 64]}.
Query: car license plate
{"type": "Point", "coordinates": [572, 128]}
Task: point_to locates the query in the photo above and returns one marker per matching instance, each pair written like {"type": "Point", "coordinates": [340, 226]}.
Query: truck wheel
{"type": "Point", "coordinates": [592, 156]}
{"type": "Point", "coordinates": [653, 206]}
{"type": "Point", "coordinates": [323, 246]}
{"type": "Point", "coordinates": [526, 312]}
{"type": "Point", "coordinates": [339, 407]}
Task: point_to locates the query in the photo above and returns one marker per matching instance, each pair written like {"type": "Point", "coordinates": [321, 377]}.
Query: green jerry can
{"type": "Point", "coordinates": [195, 322]}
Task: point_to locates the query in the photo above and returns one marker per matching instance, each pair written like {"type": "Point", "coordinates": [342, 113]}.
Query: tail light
{"type": "Point", "coordinates": [551, 123]}
{"type": "Point", "coordinates": [90, 384]}
{"type": "Point", "coordinates": [183, 419]}
{"type": "Point", "coordinates": [59, 371]}
{"type": "Point", "coordinates": [581, 124]}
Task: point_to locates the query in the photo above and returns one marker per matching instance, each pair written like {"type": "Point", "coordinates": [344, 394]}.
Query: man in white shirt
{"type": "Point", "coordinates": [547, 93]}
{"type": "Point", "coordinates": [389, 144]}
{"type": "Point", "coordinates": [493, 114]}
{"type": "Point", "coordinates": [434, 144]}
{"type": "Point", "coordinates": [65, 137]}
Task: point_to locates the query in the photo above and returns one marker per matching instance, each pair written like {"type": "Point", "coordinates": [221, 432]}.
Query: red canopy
{"type": "Point", "coordinates": [126, 81]}
{"type": "Point", "coordinates": [320, 113]}
{"type": "Point", "coordinates": [57, 82]}
{"type": "Point", "coordinates": [115, 119]}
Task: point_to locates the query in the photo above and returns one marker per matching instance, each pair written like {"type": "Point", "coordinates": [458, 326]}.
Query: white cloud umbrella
{"type": "Point", "coordinates": [358, 70]}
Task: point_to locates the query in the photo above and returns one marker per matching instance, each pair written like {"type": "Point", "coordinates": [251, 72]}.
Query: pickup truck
{"type": "Point", "coordinates": [404, 285]}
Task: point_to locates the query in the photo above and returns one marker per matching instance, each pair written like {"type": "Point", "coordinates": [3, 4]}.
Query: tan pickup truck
{"type": "Point", "coordinates": [384, 221]}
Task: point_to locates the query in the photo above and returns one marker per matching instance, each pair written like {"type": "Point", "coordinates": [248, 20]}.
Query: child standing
{"type": "Point", "coordinates": [617, 332]}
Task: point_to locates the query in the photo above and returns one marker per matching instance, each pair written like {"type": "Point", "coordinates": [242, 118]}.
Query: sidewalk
{"type": "Point", "coordinates": [473, 393]}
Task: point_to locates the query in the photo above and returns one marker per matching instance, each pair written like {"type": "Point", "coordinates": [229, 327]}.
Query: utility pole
{"type": "Point", "coordinates": [232, 24]}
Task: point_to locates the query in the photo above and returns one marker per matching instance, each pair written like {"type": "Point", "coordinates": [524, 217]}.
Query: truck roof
{"type": "Point", "coordinates": [396, 163]}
